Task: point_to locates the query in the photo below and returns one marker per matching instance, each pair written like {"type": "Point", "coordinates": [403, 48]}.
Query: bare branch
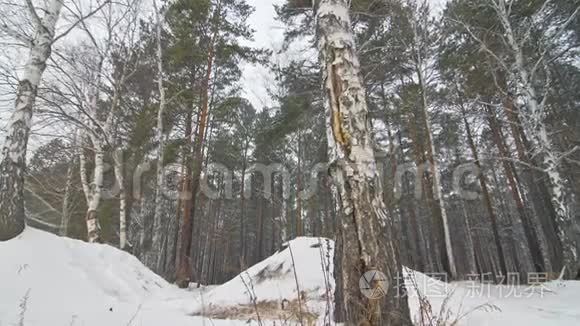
{"type": "Point", "coordinates": [80, 20]}
{"type": "Point", "coordinates": [37, 20]}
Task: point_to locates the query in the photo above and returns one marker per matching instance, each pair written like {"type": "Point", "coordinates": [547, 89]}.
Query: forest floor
{"type": "Point", "coordinates": [46, 280]}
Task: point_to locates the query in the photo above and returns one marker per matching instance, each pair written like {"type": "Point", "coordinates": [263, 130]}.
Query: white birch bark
{"type": "Point", "coordinates": [13, 159]}
{"type": "Point", "coordinates": [99, 126]}
{"type": "Point", "coordinates": [93, 189]}
{"type": "Point", "coordinates": [160, 139]}
{"type": "Point", "coordinates": [83, 166]}
{"type": "Point", "coordinates": [365, 228]}
{"type": "Point", "coordinates": [534, 123]}
{"type": "Point", "coordinates": [95, 192]}
{"type": "Point", "coordinates": [120, 177]}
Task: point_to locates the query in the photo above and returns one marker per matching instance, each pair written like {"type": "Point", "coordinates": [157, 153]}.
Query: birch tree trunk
{"type": "Point", "coordinates": [12, 166]}
{"type": "Point", "coordinates": [120, 176]}
{"type": "Point", "coordinates": [420, 44]}
{"type": "Point", "coordinates": [160, 139]}
{"type": "Point", "coordinates": [95, 192]}
{"type": "Point", "coordinates": [365, 229]}
{"type": "Point", "coordinates": [535, 124]}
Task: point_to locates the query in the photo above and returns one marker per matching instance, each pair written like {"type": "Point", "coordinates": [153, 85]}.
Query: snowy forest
{"type": "Point", "coordinates": [432, 142]}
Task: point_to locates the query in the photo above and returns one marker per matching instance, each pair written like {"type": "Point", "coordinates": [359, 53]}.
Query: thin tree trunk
{"type": "Point", "coordinates": [185, 196]}
{"type": "Point", "coordinates": [538, 251]}
{"type": "Point", "coordinates": [537, 128]}
{"type": "Point", "coordinates": [535, 182]}
{"type": "Point", "coordinates": [199, 228]}
{"type": "Point", "coordinates": [13, 160]}
{"type": "Point", "coordinates": [470, 252]}
{"type": "Point", "coordinates": [182, 259]}
{"type": "Point", "coordinates": [95, 192]}
{"type": "Point", "coordinates": [299, 224]}
{"type": "Point", "coordinates": [443, 235]}
{"type": "Point", "coordinates": [243, 207]}
{"type": "Point", "coordinates": [259, 229]}
{"type": "Point", "coordinates": [486, 196]}
{"type": "Point", "coordinates": [183, 272]}
{"type": "Point", "coordinates": [160, 139]}
{"type": "Point", "coordinates": [424, 249]}
{"type": "Point", "coordinates": [284, 212]}
{"type": "Point", "coordinates": [66, 203]}
{"type": "Point", "coordinates": [365, 229]}
{"type": "Point", "coordinates": [432, 242]}
{"type": "Point", "coordinates": [119, 174]}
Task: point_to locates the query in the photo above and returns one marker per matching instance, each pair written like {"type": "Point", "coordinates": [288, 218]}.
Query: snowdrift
{"type": "Point", "coordinates": [47, 280]}
{"type": "Point", "coordinates": [296, 279]}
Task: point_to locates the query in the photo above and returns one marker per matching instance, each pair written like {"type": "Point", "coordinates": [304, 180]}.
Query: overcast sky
{"type": "Point", "coordinates": [256, 78]}
{"type": "Point", "coordinates": [269, 34]}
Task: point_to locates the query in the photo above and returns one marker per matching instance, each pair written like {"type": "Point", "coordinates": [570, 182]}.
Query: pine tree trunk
{"type": "Point", "coordinates": [183, 272]}
{"type": "Point", "coordinates": [365, 229]}
{"type": "Point", "coordinates": [533, 237]}
{"type": "Point", "coordinates": [243, 207]}
{"type": "Point", "coordinates": [535, 182]}
{"type": "Point", "coordinates": [66, 202]}
{"type": "Point", "coordinates": [184, 200]}
{"type": "Point", "coordinates": [426, 264]}
{"type": "Point", "coordinates": [433, 238]}
{"type": "Point", "coordinates": [259, 229]}
{"type": "Point", "coordinates": [284, 213]}
{"type": "Point", "coordinates": [444, 235]}
{"type": "Point", "coordinates": [13, 159]}
{"type": "Point", "coordinates": [299, 223]}
{"type": "Point", "coordinates": [486, 196]}
{"type": "Point", "coordinates": [470, 247]}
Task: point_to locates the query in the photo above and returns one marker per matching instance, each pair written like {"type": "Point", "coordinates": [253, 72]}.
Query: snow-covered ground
{"type": "Point", "coordinates": [46, 280]}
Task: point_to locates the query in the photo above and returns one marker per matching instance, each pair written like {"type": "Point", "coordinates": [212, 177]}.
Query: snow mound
{"type": "Point", "coordinates": [46, 280]}
{"type": "Point", "coordinates": [458, 303]}
{"type": "Point", "coordinates": [473, 303]}
{"type": "Point", "coordinates": [303, 267]}
{"type": "Point", "coordinates": [50, 277]}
